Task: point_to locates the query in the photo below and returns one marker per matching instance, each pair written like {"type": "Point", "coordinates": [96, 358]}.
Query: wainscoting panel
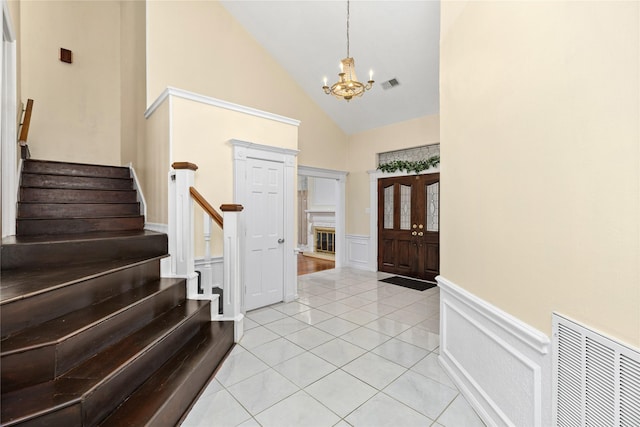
{"type": "Point", "coordinates": [357, 251]}
{"type": "Point", "coordinates": [500, 364]}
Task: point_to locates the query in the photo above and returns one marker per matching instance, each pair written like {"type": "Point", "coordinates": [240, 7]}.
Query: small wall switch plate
{"type": "Point", "coordinates": [65, 55]}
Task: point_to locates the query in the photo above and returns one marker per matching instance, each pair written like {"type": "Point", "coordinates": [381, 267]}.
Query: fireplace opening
{"type": "Point", "coordinates": [325, 240]}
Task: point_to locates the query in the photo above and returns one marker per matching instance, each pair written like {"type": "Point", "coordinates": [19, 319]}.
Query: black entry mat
{"type": "Point", "coordinates": [418, 285]}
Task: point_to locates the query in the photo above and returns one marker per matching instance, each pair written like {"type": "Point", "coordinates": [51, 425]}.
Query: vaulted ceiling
{"type": "Point", "coordinates": [396, 39]}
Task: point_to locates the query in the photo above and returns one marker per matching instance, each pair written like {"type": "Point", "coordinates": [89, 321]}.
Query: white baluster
{"type": "Point", "coordinates": [207, 281]}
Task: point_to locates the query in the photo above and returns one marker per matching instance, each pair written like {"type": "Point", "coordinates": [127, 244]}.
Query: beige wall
{"type": "Point", "coordinates": [132, 79]}
{"type": "Point", "coordinates": [213, 55]}
{"type": "Point", "coordinates": [76, 114]}
{"type": "Point", "coordinates": [153, 164]}
{"type": "Point", "coordinates": [201, 133]}
{"type": "Point", "coordinates": [363, 148]}
{"type": "Point", "coordinates": [541, 173]}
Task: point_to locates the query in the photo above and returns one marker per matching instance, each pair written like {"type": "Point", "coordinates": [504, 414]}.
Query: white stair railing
{"type": "Point", "coordinates": [182, 195]}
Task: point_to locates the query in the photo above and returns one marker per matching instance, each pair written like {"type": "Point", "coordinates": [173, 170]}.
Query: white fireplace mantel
{"type": "Point", "coordinates": [318, 218]}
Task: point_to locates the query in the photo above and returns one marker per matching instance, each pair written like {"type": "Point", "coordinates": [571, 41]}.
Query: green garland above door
{"type": "Point", "coordinates": [405, 165]}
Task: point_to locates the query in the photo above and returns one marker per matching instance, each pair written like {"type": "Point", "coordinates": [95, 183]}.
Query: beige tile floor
{"type": "Point", "coordinates": [351, 351]}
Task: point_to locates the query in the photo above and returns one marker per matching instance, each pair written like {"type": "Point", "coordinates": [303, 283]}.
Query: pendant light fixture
{"type": "Point", "coordinates": [348, 85]}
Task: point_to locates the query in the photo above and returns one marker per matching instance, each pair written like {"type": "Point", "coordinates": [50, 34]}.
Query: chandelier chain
{"type": "Point", "coordinates": [348, 29]}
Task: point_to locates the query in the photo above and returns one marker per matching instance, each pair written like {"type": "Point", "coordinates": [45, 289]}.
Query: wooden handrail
{"type": "Point", "coordinates": [26, 121]}
{"type": "Point", "coordinates": [199, 198]}
{"type": "Point", "coordinates": [24, 130]}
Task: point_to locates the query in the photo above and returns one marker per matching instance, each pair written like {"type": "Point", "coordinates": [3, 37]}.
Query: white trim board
{"type": "Point", "coordinates": [8, 127]}
{"type": "Point", "coordinates": [204, 99]}
{"type": "Point", "coordinates": [500, 364]}
{"type": "Point", "coordinates": [340, 214]}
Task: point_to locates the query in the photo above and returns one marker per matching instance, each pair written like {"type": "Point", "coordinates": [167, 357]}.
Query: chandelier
{"type": "Point", "coordinates": [347, 85]}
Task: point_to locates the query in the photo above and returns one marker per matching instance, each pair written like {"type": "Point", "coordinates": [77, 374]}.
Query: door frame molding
{"type": "Point", "coordinates": [374, 176]}
{"type": "Point", "coordinates": [341, 178]}
{"type": "Point", "coordinates": [243, 150]}
{"type": "Point", "coordinates": [8, 125]}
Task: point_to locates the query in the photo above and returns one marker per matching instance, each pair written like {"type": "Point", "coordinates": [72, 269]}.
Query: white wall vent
{"type": "Point", "coordinates": [596, 381]}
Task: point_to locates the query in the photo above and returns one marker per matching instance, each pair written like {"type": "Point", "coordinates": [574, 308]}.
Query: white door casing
{"type": "Point", "coordinates": [250, 158]}
{"type": "Point", "coordinates": [264, 233]}
{"type": "Point", "coordinates": [341, 180]}
{"type": "Point", "coordinates": [8, 126]}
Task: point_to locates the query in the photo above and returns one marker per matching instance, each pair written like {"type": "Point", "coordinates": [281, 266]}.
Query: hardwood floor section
{"type": "Point", "coordinates": [308, 265]}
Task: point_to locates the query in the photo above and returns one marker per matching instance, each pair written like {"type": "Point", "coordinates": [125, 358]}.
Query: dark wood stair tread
{"type": "Point", "coordinates": [65, 195]}
{"type": "Point", "coordinates": [38, 180]}
{"type": "Point", "coordinates": [76, 169]}
{"type": "Point", "coordinates": [46, 226]}
{"type": "Point", "coordinates": [19, 284]}
{"type": "Point", "coordinates": [78, 384]}
{"type": "Point", "coordinates": [162, 400]}
{"type": "Point", "coordinates": [64, 327]}
{"type": "Point", "coordinates": [43, 251]}
{"type": "Point", "coordinates": [95, 235]}
{"type": "Point", "coordinates": [76, 210]}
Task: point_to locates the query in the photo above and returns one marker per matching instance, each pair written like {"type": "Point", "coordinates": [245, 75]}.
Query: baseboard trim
{"type": "Point", "coordinates": [157, 227]}
{"type": "Point", "coordinates": [500, 364]}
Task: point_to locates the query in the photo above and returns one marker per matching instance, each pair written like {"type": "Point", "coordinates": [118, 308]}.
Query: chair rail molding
{"type": "Point", "coordinates": [500, 364]}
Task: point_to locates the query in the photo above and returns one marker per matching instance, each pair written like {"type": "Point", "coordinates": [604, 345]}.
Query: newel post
{"type": "Point", "coordinates": [181, 225]}
{"type": "Point", "coordinates": [233, 296]}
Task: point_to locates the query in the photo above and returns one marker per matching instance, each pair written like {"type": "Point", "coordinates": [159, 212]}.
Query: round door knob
{"type": "Point", "coordinates": [414, 233]}
{"type": "Point", "coordinates": [421, 234]}
{"type": "Point", "coordinates": [280, 240]}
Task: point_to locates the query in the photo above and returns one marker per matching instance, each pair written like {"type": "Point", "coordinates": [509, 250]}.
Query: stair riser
{"type": "Point", "coordinates": [75, 182]}
{"type": "Point", "coordinates": [70, 416]}
{"type": "Point", "coordinates": [76, 350]}
{"type": "Point", "coordinates": [61, 168]}
{"type": "Point", "coordinates": [115, 389]}
{"type": "Point", "coordinates": [41, 255]}
{"type": "Point", "coordinates": [40, 308]}
{"type": "Point", "coordinates": [76, 210]}
{"type": "Point", "coordinates": [57, 195]}
{"type": "Point", "coordinates": [38, 227]}
{"type": "Point", "coordinates": [27, 368]}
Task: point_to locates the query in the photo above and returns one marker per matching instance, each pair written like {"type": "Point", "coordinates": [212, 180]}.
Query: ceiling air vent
{"type": "Point", "coordinates": [390, 84]}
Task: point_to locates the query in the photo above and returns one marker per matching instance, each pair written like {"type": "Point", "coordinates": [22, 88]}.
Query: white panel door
{"type": "Point", "coordinates": [265, 225]}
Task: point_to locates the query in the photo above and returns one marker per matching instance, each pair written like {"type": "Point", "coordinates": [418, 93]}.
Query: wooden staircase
{"type": "Point", "coordinates": [91, 335]}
